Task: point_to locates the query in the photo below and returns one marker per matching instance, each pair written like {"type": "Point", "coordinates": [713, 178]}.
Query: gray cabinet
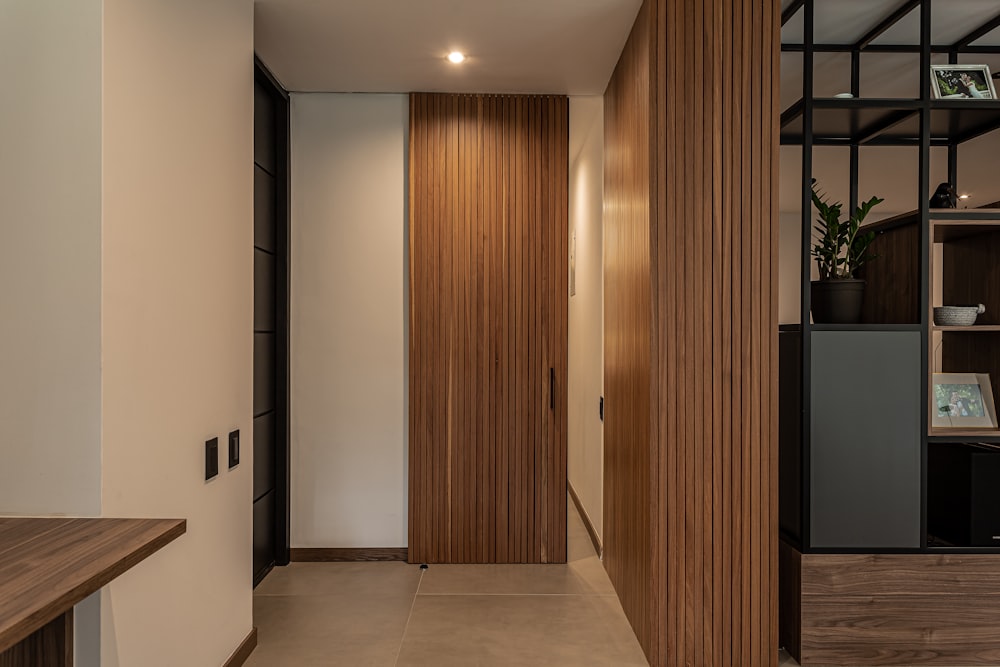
{"type": "Point", "coordinates": [864, 469]}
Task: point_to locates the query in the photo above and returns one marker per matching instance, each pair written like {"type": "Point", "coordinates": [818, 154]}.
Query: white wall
{"type": "Point", "coordinates": [177, 320]}
{"type": "Point", "coordinates": [586, 306]}
{"type": "Point", "coordinates": [348, 319]}
{"type": "Point", "coordinates": [50, 274]}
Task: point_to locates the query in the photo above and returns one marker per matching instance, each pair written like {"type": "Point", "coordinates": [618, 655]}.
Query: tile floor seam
{"type": "Point", "coordinates": [406, 626]}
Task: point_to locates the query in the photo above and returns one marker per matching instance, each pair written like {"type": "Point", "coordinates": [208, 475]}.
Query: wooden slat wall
{"type": "Point", "coordinates": [628, 522]}
{"type": "Point", "coordinates": [488, 318]}
{"type": "Point", "coordinates": [691, 355]}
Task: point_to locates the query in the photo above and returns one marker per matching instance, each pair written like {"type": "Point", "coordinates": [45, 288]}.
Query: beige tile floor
{"type": "Point", "coordinates": [386, 614]}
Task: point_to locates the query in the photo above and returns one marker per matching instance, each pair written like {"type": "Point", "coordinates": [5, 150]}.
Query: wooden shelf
{"type": "Point", "coordinates": [866, 327]}
{"type": "Point", "coordinates": [889, 122]}
{"type": "Point", "coordinates": [963, 550]}
{"type": "Point", "coordinates": [947, 231]}
{"type": "Point", "coordinates": [970, 434]}
{"type": "Point", "coordinates": [965, 214]}
{"type": "Point", "coordinates": [993, 439]}
{"type": "Point", "coordinates": [975, 328]}
{"type": "Point", "coordinates": [956, 218]}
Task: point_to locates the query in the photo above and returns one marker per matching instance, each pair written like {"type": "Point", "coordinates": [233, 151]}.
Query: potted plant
{"type": "Point", "coordinates": [841, 249]}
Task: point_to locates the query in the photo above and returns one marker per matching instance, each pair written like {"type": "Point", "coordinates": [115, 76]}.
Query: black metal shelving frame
{"type": "Point", "coordinates": [855, 122]}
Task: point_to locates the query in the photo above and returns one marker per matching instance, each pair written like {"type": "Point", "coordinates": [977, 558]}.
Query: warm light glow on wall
{"type": "Point", "coordinates": [456, 57]}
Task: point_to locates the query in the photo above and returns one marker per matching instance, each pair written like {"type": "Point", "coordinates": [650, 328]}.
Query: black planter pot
{"type": "Point", "coordinates": [837, 301]}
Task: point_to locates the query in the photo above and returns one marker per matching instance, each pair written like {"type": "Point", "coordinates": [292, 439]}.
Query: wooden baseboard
{"type": "Point", "coordinates": [586, 521]}
{"type": "Point", "coordinates": [349, 555]}
{"type": "Point", "coordinates": [244, 650]}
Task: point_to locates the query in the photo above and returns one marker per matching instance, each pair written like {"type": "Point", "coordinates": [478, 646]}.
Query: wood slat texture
{"type": "Point", "coordinates": [892, 289]}
{"type": "Point", "coordinates": [628, 519]}
{"type": "Point", "coordinates": [893, 609]}
{"type": "Point", "coordinates": [48, 565]}
{"type": "Point", "coordinates": [691, 137]}
{"type": "Point", "coordinates": [488, 318]}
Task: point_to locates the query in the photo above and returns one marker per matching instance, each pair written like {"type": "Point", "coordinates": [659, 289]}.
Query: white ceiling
{"type": "Point", "coordinates": [381, 46]}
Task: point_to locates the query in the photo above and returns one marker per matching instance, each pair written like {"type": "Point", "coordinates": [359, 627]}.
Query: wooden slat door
{"type": "Point", "coordinates": [488, 318]}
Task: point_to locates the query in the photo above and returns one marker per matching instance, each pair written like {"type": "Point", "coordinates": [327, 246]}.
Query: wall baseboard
{"type": "Point", "coordinates": [339, 555]}
{"type": "Point", "coordinates": [586, 520]}
{"type": "Point", "coordinates": [244, 650]}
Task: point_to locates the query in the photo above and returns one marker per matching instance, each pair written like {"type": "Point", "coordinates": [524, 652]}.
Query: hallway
{"type": "Point", "coordinates": [385, 614]}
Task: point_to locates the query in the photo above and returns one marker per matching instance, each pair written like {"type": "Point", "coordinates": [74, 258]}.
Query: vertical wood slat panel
{"type": "Point", "coordinates": [488, 258]}
{"type": "Point", "coordinates": [628, 520]}
{"type": "Point", "coordinates": [690, 331]}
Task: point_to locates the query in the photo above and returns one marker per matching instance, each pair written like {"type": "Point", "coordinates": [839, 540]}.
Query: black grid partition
{"type": "Point", "coordinates": [921, 123]}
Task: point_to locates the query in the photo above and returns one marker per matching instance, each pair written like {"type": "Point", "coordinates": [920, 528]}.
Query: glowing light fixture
{"type": "Point", "coordinates": [456, 57]}
{"type": "Point", "coordinates": [963, 196]}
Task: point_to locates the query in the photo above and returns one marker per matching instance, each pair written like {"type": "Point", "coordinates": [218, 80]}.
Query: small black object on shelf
{"type": "Point", "coordinates": [944, 197]}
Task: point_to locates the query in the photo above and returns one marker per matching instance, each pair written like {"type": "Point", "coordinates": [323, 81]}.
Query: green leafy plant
{"type": "Point", "coordinates": [841, 247]}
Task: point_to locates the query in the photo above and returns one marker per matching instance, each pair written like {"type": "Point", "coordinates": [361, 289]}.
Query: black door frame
{"type": "Point", "coordinates": [282, 449]}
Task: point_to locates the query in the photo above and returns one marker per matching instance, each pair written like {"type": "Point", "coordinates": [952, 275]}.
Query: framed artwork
{"type": "Point", "coordinates": [963, 400]}
{"type": "Point", "coordinates": [962, 82]}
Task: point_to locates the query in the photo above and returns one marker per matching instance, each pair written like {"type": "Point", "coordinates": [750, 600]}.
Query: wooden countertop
{"type": "Point", "coordinates": [48, 565]}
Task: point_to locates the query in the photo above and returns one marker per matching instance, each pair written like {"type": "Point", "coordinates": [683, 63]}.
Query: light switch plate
{"type": "Point", "coordinates": [211, 458]}
{"type": "Point", "coordinates": [234, 448]}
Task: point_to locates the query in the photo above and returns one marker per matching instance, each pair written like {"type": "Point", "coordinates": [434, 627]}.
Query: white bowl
{"type": "Point", "coordinates": [957, 316]}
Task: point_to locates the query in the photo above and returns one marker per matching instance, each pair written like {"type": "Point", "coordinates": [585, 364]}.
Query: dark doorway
{"type": "Point", "coordinates": [270, 325]}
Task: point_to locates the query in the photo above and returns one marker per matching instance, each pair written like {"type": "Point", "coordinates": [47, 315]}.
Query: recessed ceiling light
{"type": "Point", "coordinates": [456, 57]}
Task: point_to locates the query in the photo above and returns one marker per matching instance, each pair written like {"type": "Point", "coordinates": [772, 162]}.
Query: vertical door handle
{"type": "Point", "coordinates": [552, 389]}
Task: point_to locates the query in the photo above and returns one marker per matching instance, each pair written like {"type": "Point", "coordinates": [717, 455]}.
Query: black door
{"type": "Point", "coordinates": [270, 326]}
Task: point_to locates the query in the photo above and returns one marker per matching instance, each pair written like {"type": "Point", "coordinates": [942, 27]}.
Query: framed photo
{"type": "Point", "coordinates": [962, 82]}
{"type": "Point", "coordinates": [963, 400]}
